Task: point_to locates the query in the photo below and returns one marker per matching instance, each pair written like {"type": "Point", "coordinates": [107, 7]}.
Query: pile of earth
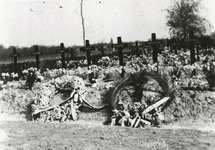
{"type": "Point", "coordinates": [188, 106]}
{"type": "Point", "coordinates": [16, 101]}
{"type": "Point", "coordinates": [192, 104]}
{"type": "Point", "coordinates": [191, 107]}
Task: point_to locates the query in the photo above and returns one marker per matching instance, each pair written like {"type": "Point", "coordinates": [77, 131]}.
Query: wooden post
{"type": "Point", "coordinates": [192, 41]}
{"type": "Point", "coordinates": [15, 55]}
{"type": "Point", "coordinates": [174, 45]}
{"type": "Point", "coordinates": [88, 48]}
{"type": "Point", "coordinates": [88, 52]}
{"type": "Point", "coordinates": [137, 49]}
{"type": "Point", "coordinates": [131, 47]}
{"type": "Point", "coordinates": [191, 46]}
{"type": "Point", "coordinates": [62, 51]}
{"type": "Point", "coordinates": [154, 43]}
{"type": "Point", "coordinates": [197, 48]}
{"type": "Point", "coordinates": [168, 43]}
{"type": "Point", "coordinates": [132, 51]}
{"type": "Point", "coordinates": [155, 51]}
{"type": "Point", "coordinates": [102, 49]}
{"type": "Point", "coordinates": [36, 54]}
{"type": "Point", "coordinates": [120, 47]}
{"type": "Point", "coordinates": [72, 54]}
{"type": "Point", "coordinates": [213, 43]}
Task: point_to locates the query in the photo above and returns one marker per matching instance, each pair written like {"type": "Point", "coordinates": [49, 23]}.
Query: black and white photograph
{"type": "Point", "coordinates": [107, 74]}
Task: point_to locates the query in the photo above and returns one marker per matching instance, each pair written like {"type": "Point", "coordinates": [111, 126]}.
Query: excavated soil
{"type": "Point", "coordinates": [189, 124]}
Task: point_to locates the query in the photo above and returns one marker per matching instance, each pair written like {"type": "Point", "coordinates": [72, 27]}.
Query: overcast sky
{"type": "Point", "coordinates": [51, 22]}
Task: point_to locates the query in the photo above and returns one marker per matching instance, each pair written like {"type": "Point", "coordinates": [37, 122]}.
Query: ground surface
{"type": "Point", "coordinates": [91, 135]}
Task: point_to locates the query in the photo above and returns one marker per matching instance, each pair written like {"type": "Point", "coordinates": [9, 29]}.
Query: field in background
{"type": "Point", "coordinates": [32, 58]}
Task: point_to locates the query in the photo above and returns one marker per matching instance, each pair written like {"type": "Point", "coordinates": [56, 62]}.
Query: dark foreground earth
{"type": "Point", "coordinates": [83, 135]}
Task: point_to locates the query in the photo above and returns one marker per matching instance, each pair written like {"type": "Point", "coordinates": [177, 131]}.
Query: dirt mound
{"type": "Point", "coordinates": [192, 106]}
{"type": "Point", "coordinates": [188, 106]}
{"type": "Point", "coordinates": [15, 100]}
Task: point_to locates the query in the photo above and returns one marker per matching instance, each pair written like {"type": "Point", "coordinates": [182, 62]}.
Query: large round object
{"type": "Point", "coordinates": [143, 87]}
